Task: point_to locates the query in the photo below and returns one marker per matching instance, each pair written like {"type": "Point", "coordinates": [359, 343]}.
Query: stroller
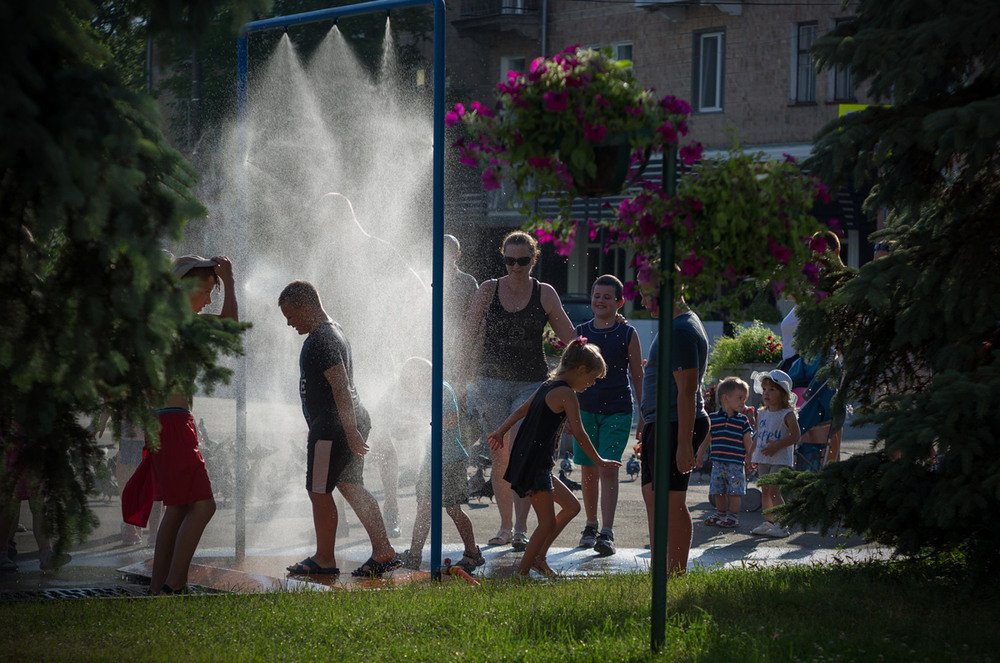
{"type": "Point", "coordinates": [816, 421]}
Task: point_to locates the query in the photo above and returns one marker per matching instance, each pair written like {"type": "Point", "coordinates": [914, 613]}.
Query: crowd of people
{"type": "Point", "coordinates": [499, 392]}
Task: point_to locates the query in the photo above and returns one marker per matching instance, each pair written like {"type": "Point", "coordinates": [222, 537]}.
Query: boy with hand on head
{"type": "Point", "coordinates": [730, 440]}
{"type": "Point", "coordinates": [338, 429]}
{"type": "Point", "coordinates": [606, 409]}
{"type": "Point", "coordinates": [413, 401]}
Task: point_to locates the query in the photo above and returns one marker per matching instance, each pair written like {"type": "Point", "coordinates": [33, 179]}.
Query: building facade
{"type": "Point", "coordinates": [744, 67]}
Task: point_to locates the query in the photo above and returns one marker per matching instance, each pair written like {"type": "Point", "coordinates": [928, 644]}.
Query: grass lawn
{"type": "Point", "coordinates": [872, 612]}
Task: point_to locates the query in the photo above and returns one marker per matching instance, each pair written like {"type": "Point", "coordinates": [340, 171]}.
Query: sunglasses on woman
{"type": "Point", "coordinates": [523, 262]}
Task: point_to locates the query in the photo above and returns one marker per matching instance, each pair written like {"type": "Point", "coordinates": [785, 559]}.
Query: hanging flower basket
{"type": "Point", "coordinates": [608, 127]}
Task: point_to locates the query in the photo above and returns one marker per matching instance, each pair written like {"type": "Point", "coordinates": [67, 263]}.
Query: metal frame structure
{"type": "Point", "coordinates": [437, 273]}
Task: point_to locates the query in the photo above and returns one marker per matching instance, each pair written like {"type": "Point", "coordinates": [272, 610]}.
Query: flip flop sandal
{"type": "Point", "coordinates": [502, 538]}
{"type": "Point", "coordinates": [373, 568]}
{"type": "Point", "coordinates": [308, 566]}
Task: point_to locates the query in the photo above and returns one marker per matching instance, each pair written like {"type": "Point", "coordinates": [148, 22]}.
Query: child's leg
{"type": "Point", "coordinates": [388, 472]}
{"type": "Point", "coordinates": [735, 504]}
{"type": "Point", "coordinates": [188, 536]}
{"type": "Point", "coordinates": [464, 525]}
{"type": "Point", "coordinates": [542, 503]}
{"type": "Point", "coordinates": [590, 482]}
{"type": "Point", "coordinates": [421, 526]}
{"type": "Point", "coordinates": [609, 495]}
{"type": "Point", "coordinates": [371, 519]}
{"type": "Point", "coordinates": [325, 516]}
{"type": "Point", "coordinates": [570, 507]}
{"type": "Point", "coordinates": [501, 489]}
{"type": "Point", "coordinates": [720, 503]}
{"type": "Point", "coordinates": [768, 495]}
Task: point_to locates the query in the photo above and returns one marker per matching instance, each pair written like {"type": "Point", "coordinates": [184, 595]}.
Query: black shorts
{"type": "Point", "coordinates": [678, 480]}
{"type": "Point", "coordinates": [454, 483]}
{"type": "Point", "coordinates": [330, 461]}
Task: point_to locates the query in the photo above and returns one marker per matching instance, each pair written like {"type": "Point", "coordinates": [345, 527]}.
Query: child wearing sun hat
{"type": "Point", "coordinates": [774, 441]}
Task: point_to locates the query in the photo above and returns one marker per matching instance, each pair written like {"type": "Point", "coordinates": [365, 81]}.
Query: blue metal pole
{"type": "Point", "coordinates": [437, 291]}
{"type": "Point", "coordinates": [437, 273]}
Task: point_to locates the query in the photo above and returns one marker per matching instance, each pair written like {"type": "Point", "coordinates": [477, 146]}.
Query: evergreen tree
{"type": "Point", "coordinates": [89, 191]}
{"type": "Point", "coordinates": [919, 328]}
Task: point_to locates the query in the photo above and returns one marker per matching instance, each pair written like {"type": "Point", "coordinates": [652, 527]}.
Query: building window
{"type": "Point", "coordinates": [512, 63]}
{"type": "Point", "coordinates": [622, 50]}
{"type": "Point", "coordinates": [804, 69]}
{"type": "Point", "coordinates": [842, 80]}
{"type": "Point", "coordinates": [709, 56]}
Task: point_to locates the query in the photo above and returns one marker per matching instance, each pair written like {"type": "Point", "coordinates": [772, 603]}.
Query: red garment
{"type": "Point", "coordinates": [137, 496]}
{"type": "Point", "coordinates": [176, 473]}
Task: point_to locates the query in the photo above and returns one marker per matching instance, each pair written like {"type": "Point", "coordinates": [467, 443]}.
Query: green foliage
{"type": "Point", "coordinates": [748, 345]}
{"type": "Point", "coordinates": [736, 222]}
{"type": "Point", "coordinates": [93, 319]}
{"type": "Point", "coordinates": [918, 329]}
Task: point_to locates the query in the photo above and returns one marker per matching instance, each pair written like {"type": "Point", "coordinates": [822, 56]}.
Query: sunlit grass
{"type": "Point", "coordinates": [848, 613]}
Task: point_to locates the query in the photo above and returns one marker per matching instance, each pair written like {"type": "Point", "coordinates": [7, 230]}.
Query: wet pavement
{"type": "Point", "coordinates": [279, 533]}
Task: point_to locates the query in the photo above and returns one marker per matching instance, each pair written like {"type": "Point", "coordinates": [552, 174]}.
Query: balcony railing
{"type": "Point", "coordinates": [484, 8]}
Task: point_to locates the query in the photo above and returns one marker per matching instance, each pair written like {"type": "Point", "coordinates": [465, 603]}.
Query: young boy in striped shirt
{"type": "Point", "coordinates": [730, 439]}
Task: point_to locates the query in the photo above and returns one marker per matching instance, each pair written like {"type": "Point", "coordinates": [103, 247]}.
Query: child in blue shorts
{"type": "Point", "coordinates": [606, 409]}
{"type": "Point", "coordinates": [730, 440]}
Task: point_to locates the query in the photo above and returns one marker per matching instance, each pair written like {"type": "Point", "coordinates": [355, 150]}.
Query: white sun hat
{"type": "Point", "coordinates": [779, 378]}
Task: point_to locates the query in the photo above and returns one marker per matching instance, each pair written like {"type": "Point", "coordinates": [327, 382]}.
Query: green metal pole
{"type": "Point", "coordinates": [664, 409]}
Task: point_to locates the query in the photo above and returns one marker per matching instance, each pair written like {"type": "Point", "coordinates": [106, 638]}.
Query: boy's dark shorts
{"type": "Point", "coordinates": [454, 483]}
{"type": "Point", "coordinates": [678, 480]}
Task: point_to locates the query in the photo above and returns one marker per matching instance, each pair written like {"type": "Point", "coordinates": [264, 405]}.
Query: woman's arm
{"type": "Point", "coordinates": [636, 371]}
{"type": "Point", "coordinates": [556, 314]}
{"type": "Point", "coordinates": [470, 335]}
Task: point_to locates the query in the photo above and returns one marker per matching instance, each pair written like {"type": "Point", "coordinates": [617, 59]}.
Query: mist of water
{"type": "Point", "coordinates": [339, 169]}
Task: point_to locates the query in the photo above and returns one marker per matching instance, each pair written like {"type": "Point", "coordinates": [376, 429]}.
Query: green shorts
{"type": "Point", "coordinates": [609, 434]}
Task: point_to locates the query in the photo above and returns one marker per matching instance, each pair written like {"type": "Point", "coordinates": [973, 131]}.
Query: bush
{"type": "Point", "coordinates": [755, 344]}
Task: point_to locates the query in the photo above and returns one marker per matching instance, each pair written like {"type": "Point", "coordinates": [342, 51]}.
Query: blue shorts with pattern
{"type": "Point", "coordinates": [728, 479]}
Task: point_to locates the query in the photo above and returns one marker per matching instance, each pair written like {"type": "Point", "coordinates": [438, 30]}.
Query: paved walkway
{"type": "Point", "coordinates": [279, 533]}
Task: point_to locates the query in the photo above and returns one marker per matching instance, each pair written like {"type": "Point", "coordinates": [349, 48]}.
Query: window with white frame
{"type": "Point", "coordinates": [512, 63]}
{"type": "Point", "coordinates": [622, 50]}
{"type": "Point", "coordinates": [803, 66]}
{"type": "Point", "coordinates": [842, 87]}
{"type": "Point", "coordinates": [709, 57]}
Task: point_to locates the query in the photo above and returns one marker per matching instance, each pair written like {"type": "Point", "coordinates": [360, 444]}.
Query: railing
{"type": "Point", "coordinates": [482, 8]}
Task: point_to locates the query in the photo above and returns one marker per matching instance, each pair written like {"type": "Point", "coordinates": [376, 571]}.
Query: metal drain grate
{"type": "Point", "coordinates": [113, 592]}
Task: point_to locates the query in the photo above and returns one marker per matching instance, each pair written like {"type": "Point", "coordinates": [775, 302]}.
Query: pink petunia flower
{"type": "Point", "coordinates": [818, 244]}
{"type": "Point", "coordinates": [556, 101]}
{"type": "Point", "coordinates": [630, 290]}
{"type": "Point", "coordinates": [691, 153]}
{"type": "Point", "coordinates": [594, 132]}
{"type": "Point", "coordinates": [668, 132]}
{"type": "Point", "coordinates": [811, 272]}
{"type": "Point", "coordinates": [692, 265]}
{"type": "Point", "coordinates": [490, 180]}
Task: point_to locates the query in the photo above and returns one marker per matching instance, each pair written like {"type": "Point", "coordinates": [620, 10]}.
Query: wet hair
{"type": "Point", "coordinates": [786, 399]}
{"type": "Point", "coordinates": [522, 238]}
{"type": "Point", "coordinates": [580, 353]}
{"type": "Point", "coordinates": [204, 273]}
{"type": "Point", "coordinates": [729, 385]}
{"type": "Point", "coordinates": [614, 282]}
{"type": "Point", "coordinates": [299, 294]}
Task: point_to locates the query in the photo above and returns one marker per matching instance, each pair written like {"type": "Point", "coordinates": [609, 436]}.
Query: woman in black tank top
{"type": "Point", "coordinates": [504, 331]}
